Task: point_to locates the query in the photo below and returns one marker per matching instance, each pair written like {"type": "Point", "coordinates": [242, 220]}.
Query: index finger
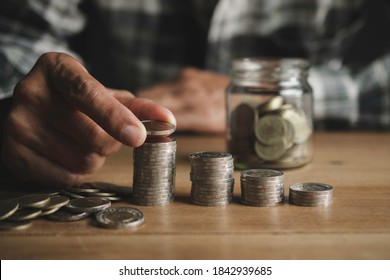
{"type": "Point", "coordinates": [70, 78]}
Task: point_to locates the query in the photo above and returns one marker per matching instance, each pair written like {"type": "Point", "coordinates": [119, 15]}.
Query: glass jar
{"type": "Point", "coordinates": [270, 115]}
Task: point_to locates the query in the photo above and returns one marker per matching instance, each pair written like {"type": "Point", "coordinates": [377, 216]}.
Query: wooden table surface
{"type": "Point", "coordinates": [355, 226]}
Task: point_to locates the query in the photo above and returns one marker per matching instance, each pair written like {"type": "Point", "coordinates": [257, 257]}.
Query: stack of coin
{"type": "Point", "coordinates": [212, 178]}
{"type": "Point", "coordinates": [154, 166]}
{"type": "Point", "coordinates": [310, 194]}
{"type": "Point", "coordinates": [262, 187]}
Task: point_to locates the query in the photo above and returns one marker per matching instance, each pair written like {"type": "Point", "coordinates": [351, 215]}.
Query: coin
{"type": "Point", "coordinates": [300, 124]}
{"type": "Point", "coordinates": [158, 128]}
{"type": "Point", "coordinates": [88, 204]}
{"type": "Point", "coordinates": [311, 187]}
{"type": "Point", "coordinates": [244, 117]}
{"type": "Point", "coordinates": [120, 217]}
{"type": "Point", "coordinates": [25, 214]}
{"type": "Point", "coordinates": [261, 187]}
{"type": "Point", "coordinates": [212, 178]}
{"type": "Point", "coordinates": [63, 215]}
{"type": "Point", "coordinates": [311, 194]}
{"type": "Point", "coordinates": [271, 129]}
{"type": "Point", "coordinates": [45, 212]}
{"type": "Point", "coordinates": [56, 201]}
{"type": "Point", "coordinates": [106, 186]}
{"type": "Point", "coordinates": [33, 200]}
{"type": "Point", "coordinates": [273, 104]}
{"type": "Point", "coordinates": [271, 152]}
{"type": "Point", "coordinates": [14, 225]}
{"type": "Point", "coordinates": [154, 169]}
{"type": "Point", "coordinates": [7, 208]}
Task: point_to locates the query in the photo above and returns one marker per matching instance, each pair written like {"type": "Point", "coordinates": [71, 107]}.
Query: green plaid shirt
{"type": "Point", "coordinates": [135, 43]}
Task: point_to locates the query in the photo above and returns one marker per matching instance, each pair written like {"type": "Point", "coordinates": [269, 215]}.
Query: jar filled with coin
{"type": "Point", "coordinates": [269, 120]}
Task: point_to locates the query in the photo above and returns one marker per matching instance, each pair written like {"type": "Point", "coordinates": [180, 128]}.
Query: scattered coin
{"type": "Point", "coordinates": [33, 200]}
{"type": "Point", "coordinates": [7, 208]}
{"type": "Point", "coordinates": [88, 204]}
{"type": "Point", "coordinates": [120, 217]}
{"type": "Point", "coordinates": [56, 201]}
{"type": "Point", "coordinates": [63, 215]}
{"type": "Point", "coordinates": [25, 214]}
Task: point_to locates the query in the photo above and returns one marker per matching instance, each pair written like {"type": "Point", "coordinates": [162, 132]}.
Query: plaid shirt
{"type": "Point", "coordinates": [135, 43]}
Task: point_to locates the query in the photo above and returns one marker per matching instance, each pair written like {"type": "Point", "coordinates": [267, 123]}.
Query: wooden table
{"type": "Point", "coordinates": [355, 226]}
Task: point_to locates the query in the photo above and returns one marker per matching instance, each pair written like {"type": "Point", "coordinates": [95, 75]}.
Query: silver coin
{"type": "Point", "coordinates": [158, 128]}
{"type": "Point", "coordinates": [33, 200]}
{"type": "Point", "coordinates": [84, 188]}
{"type": "Point", "coordinates": [113, 198]}
{"type": "Point", "coordinates": [88, 204]}
{"type": "Point", "coordinates": [7, 208]}
{"type": "Point", "coordinates": [311, 187]}
{"type": "Point", "coordinates": [25, 214]}
{"type": "Point", "coordinates": [210, 156]}
{"type": "Point", "coordinates": [56, 201]}
{"type": "Point", "coordinates": [105, 186]}
{"type": "Point", "coordinates": [202, 203]}
{"type": "Point", "coordinates": [259, 204]}
{"type": "Point", "coordinates": [260, 173]}
{"type": "Point", "coordinates": [63, 215]}
{"type": "Point", "coordinates": [48, 211]}
{"type": "Point", "coordinates": [71, 195]}
{"type": "Point", "coordinates": [101, 194]}
{"type": "Point", "coordinates": [159, 141]}
{"type": "Point", "coordinates": [120, 217]}
{"type": "Point", "coordinates": [298, 195]}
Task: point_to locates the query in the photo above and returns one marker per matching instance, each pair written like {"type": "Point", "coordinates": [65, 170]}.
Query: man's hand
{"type": "Point", "coordinates": [64, 123]}
{"type": "Point", "coordinates": [197, 99]}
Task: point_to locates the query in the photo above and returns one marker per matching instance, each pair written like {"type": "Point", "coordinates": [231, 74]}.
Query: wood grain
{"type": "Point", "coordinates": [355, 226]}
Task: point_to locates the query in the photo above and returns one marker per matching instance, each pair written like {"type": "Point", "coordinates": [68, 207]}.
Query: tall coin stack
{"type": "Point", "coordinates": [310, 194]}
{"type": "Point", "coordinates": [262, 187]}
{"type": "Point", "coordinates": [154, 166]}
{"type": "Point", "coordinates": [212, 178]}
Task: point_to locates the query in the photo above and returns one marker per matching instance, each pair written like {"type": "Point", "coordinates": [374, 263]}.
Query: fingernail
{"type": "Point", "coordinates": [171, 117]}
{"type": "Point", "coordinates": [133, 136]}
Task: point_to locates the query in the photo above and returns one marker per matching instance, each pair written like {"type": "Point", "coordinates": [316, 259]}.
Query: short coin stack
{"type": "Point", "coordinates": [212, 178]}
{"type": "Point", "coordinates": [262, 187]}
{"type": "Point", "coordinates": [310, 194]}
{"type": "Point", "coordinates": [155, 166]}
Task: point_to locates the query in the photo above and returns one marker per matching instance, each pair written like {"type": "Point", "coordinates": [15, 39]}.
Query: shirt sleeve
{"type": "Point", "coordinates": [346, 98]}
{"type": "Point", "coordinates": [345, 42]}
{"type": "Point", "coordinates": [30, 28]}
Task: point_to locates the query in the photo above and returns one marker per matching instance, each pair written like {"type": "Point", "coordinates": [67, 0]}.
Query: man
{"type": "Point", "coordinates": [65, 120]}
